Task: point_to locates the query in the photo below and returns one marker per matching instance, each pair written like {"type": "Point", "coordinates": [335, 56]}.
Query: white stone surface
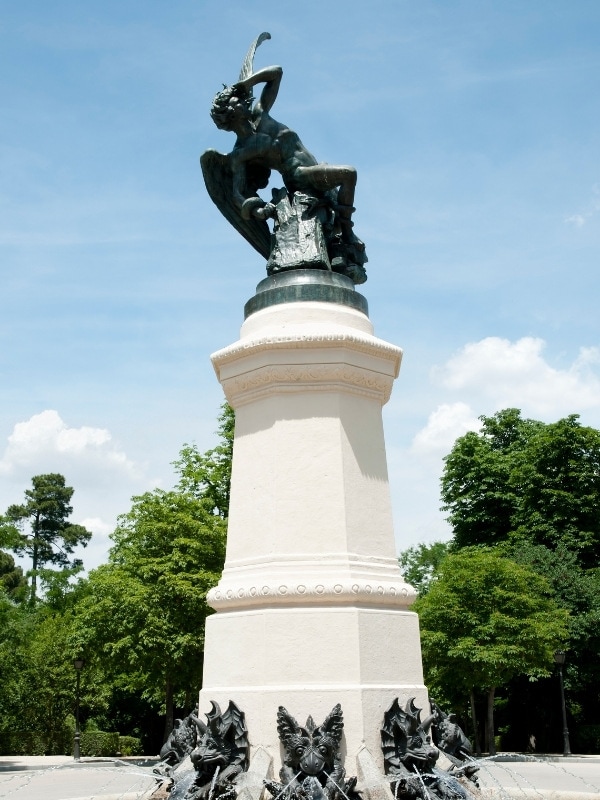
{"type": "Point", "coordinates": [250, 784]}
{"type": "Point", "coordinates": [312, 609]}
{"type": "Point", "coordinates": [373, 784]}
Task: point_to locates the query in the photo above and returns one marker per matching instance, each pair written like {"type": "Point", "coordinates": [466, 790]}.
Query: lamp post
{"type": "Point", "coordinates": [559, 660]}
{"type": "Point", "coordinates": [78, 663]}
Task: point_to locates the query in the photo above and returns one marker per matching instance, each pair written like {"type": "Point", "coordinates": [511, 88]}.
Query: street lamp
{"type": "Point", "coordinates": [78, 663]}
{"type": "Point", "coordinates": [559, 660]}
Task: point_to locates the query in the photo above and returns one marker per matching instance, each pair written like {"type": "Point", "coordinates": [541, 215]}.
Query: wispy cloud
{"type": "Point", "coordinates": [592, 207]}
{"type": "Point", "coordinates": [444, 426]}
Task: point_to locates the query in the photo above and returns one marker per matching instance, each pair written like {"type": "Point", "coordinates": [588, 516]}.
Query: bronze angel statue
{"type": "Point", "coordinates": [312, 213]}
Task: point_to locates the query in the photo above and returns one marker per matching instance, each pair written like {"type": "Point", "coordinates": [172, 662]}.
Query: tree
{"type": "Point", "coordinates": [52, 539]}
{"type": "Point", "coordinates": [578, 591]}
{"type": "Point", "coordinates": [207, 476]}
{"type": "Point", "coordinates": [12, 579]}
{"type": "Point", "coordinates": [37, 687]}
{"type": "Point", "coordinates": [557, 481]}
{"type": "Point", "coordinates": [484, 620]}
{"type": "Point", "coordinates": [420, 564]}
{"type": "Point", "coordinates": [525, 480]}
{"type": "Point", "coordinates": [13, 631]}
{"type": "Point", "coordinates": [143, 617]}
{"type": "Point", "coordinates": [138, 621]}
{"type": "Point", "coordinates": [533, 490]}
{"type": "Point", "coordinates": [574, 589]}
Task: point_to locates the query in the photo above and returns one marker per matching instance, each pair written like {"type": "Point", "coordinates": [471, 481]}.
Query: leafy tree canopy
{"type": "Point", "coordinates": [419, 564]}
{"type": "Point", "coordinates": [207, 476]}
{"type": "Point", "coordinates": [142, 616]}
{"type": "Point", "coordinates": [144, 613]}
{"type": "Point", "coordinates": [51, 538]}
{"type": "Point", "coordinates": [37, 690]}
{"type": "Point", "coordinates": [138, 621]}
{"type": "Point", "coordinates": [12, 579]}
{"type": "Point", "coordinates": [524, 480]}
{"type": "Point", "coordinates": [485, 620]}
{"type": "Point", "coordinates": [578, 591]}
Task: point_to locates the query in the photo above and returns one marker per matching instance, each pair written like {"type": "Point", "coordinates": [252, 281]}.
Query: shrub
{"type": "Point", "coordinates": [99, 743]}
{"type": "Point", "coordinates": [586, 739]}
{"type": "Point", "coordinates": [36, 743]}
{"type": "Point", "coordinates": [130, 746]}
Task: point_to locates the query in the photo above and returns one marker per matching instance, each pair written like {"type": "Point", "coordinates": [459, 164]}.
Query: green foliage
{"type": "Point", "coordinates": [524, 480]}
{"type": "Point", "coordinates": [130, 746]}
{"type": "Point", "coordinates": [108, 743]}
{"type": "Point", "coordinates": [15, 627]}
{"type": "Point", "coordinates": [143, 617]}
{"type": "Point", "coordinates": [138, 621]}
{"type": "Point", "coordinates": [37, 692]}
{"type": "Point", "coordinates": [207, 476]}
{"type": "Point", "coordinates": [419, 564]}
{"type": "Point", "coordinates": [51, 539]}
{"type": "Point", "coordinates": [475, 485]}
{"type": "Point", "coordinates": [485, 620]}
{"type": "Point", "coordinates": [60, 592]}
{"type": "Point", "coordinates": [10, 536]}
{"type": "Point", "coordinates": [12, 579]}
{"type": "Point", "coordinates": [99, 743]}
{"type": "Point", "coordinates": [558, 483]}
{"type": "Point", "coordinates": [123, 709]}
{"type": "Point", "coordinates": [578, 591]}
{"type": "Point", "coordinates": [575, 589]}
{"type": "Point", "coordinates": [586, 739]}
{"type": "Point", "coordinates": [51, 681]}
{"type": "Point", "coordinates": [533, 490]}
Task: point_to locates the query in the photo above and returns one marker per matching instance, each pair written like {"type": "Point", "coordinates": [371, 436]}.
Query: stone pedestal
{"type": "Point", "coordinates": [312, 609]}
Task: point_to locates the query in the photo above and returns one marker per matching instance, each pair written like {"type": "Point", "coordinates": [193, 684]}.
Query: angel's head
{"type": "Point", "coordinates": [230, 107]}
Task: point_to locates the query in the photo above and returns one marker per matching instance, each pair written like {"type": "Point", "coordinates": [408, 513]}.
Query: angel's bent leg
{"type": "Point", "coordinates": [328, 176]}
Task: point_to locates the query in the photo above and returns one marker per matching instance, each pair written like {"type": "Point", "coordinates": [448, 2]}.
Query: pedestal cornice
{"type": "Point", "coordinates": [319, 360]}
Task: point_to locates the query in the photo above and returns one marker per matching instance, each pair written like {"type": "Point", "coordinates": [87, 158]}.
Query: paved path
{"type": "Point", "coordinates": [59, 778]}
{"type": "Point", "coordinates": [560, 775]}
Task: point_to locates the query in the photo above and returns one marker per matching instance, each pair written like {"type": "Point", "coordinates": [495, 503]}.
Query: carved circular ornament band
{"type": "Point", "coordinates": [370, 592]}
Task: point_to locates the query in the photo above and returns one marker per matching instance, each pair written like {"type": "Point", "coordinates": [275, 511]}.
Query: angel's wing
{"type": "Point", "coordinates": [218, 178]}
{"type": "Point", "coordinates": [248, 63]}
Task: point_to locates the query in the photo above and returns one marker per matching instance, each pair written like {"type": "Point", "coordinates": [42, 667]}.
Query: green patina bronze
{"type": "Point", "coordinates": [305, 285]}
{"type": "Point", "coordinates": [311, 215]}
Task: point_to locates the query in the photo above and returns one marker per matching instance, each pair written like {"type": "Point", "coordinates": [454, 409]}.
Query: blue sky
{"type": "Point", "coordinates": [475, 129]}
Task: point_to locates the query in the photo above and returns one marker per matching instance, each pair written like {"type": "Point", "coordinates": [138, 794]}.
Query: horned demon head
{"type": "Point", "coordinates": [311, 749]}
{"type": "Point", "coordinates": [405, 740]}
{"type": "Point", "coordinates": [222, 741]}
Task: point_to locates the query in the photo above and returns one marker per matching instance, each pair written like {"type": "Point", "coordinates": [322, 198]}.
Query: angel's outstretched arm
{"type": "Point", "coordinates": [271, 77]}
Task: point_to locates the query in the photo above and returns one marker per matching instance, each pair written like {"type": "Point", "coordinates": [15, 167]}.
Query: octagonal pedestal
{"type": "Point", "coordinates": [311, 609]}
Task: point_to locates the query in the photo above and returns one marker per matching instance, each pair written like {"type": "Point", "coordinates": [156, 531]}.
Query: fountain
{"type": "Point", "coordinates": [312, 614]}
